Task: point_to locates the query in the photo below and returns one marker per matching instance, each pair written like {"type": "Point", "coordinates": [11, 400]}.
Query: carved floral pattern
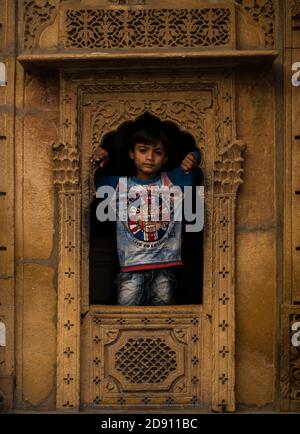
{"type": "Point", "coordinates": [296, 8]}
{"type": "Point", "coordinates": [228, 171]}
{"type": "Point", "coordinates": [106, 115]}
{"type": "Point", "coordinates": [146, 28]}
{"type": "Point", "coordinates": [38, 14]}
{"type": "Point", "coordinates": [138, 28]}
{"type": "Point", "coordinates": [263, 12]}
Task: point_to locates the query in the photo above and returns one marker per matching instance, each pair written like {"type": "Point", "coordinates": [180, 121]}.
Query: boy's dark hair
{"type": "Point", "coordinates": [148, 136]}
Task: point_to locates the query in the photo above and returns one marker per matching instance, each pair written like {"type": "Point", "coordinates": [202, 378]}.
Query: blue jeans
{"type": "Point", "coordinates": [146, 287]}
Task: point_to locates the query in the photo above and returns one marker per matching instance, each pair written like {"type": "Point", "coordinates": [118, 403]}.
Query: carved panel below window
{"type": "Point", "coordinates": [158, 28]}
{"type": "Point", "coordinates": [144, 362]}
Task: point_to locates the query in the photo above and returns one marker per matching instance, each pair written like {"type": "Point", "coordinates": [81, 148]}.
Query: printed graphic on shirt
{"type": "Point", "coordinates": [145, 220]}
{"type": "Point", "coordinates": [147, 237]}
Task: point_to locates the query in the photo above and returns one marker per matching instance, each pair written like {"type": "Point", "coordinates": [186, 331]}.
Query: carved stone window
{"type": "Point", "coordinates": [200, 104]}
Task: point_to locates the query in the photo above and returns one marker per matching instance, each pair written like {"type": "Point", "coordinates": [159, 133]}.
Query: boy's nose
{"type": "Point", "coordinates": [150, 155]}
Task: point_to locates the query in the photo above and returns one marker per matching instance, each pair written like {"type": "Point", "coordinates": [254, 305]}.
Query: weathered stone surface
{"type": "Point", "coordinates": [255, 379]}
{"type": "Point", "coordinates": [7, 292]}
{"type": "Point", "coordinates": [40, 110]}
{"type": "Point", "coordinates": [256, 243]}
{"type": "Point", "coordinates": [6, 393]}
{"type": "Point", "coordinates": [42, 92]}
{"type": "Point", "coordinates": [255, 310]}
{"type": "Point", "coordinates": [39, 335]}
{"type": "Point", "coordinates": [256, 121]}
{"type": "Point", "coordinates": [38, 185]}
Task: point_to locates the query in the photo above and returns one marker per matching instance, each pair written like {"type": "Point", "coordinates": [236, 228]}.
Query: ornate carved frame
{"type": "Point", "coordinates": [84, 33]}
{"type": "Point", "coordinates": [201, 103]}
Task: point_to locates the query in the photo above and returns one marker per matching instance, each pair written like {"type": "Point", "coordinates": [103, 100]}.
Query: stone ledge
{"type": "Point", "coordinates": [92, 59]}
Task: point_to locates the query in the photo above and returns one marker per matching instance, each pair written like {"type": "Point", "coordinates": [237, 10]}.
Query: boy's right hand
{"type": "Point", "coordinates": [100, 157]}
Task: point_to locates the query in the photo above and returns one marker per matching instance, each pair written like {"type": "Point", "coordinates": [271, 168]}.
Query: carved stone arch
{"type": "Point", "coordinates": [209, 373]}
{"type": "Point", "coordinates": [99, 136]}
{"type": "Point", "coordinates": [188, 116]}
{"type": "Point", "coordinates": [182, 127]}
{"type": "Point", "coordinates": [163, 110]}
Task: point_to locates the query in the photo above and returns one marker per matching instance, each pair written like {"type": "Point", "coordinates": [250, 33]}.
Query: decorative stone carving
{"type": "Point", "coordinates": [181, 335]}
{"type": "Point", "coordinates": [294, 365]}
{"type": "Point", "coordinates": [295, 8]}
{"type": "Point", "coordinates": [135, 24]}
{"type": "Point", "coordinates": [188, 115]}
{"type": "Point", "coordinates": [142, 361]}
{"type": "Point", "coordinates": [145, 360]}
{"type": "Point", "coordinates": [290, 360]}
{"type": "Point", "coordinates": [168, 109]}
{"type": "Point", "coordinates": [66, 178]}
{"type": "Point", "coordinates": [227, 178]}
{"type": "Point", "coordinates": [229, 172]}
{"type": "Point", "coordinates": [262, 12]}
{"type": "Point", "coordinates": [38, 14]}
{"type": "Point", "coordinates": [66, 165]}
{"type": "Point", "coordinates": [147, 28]}
{"type": "Point", "coordinates": [68, 298]}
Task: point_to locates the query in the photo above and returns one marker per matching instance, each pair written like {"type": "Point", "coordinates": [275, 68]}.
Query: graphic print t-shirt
{"type": "Point", "coordinates": [143, 242]}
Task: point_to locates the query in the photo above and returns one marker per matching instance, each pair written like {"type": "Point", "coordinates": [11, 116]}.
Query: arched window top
{"type": "Point", "coordinates": [117, 141]}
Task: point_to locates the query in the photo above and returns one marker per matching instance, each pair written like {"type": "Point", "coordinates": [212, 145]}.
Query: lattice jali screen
{"type": "Point", "coordinates": [124, 28]}
{"type": "Point", "coordinates": [146, 360]}
{"type": "Point", "coordinates": [132, 24]}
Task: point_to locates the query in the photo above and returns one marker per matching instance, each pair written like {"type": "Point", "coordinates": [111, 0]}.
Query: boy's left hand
{"type": "Point", "coordinates": [189, 163]}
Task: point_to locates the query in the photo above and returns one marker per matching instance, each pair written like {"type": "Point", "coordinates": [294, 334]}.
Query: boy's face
{"type": "Point", "coordinates": [148, 159]}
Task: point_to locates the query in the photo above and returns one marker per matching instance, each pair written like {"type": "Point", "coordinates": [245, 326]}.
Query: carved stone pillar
{"type": "Point", "coordinates": [227, 178]}
{"type": "Point", "coordinates": [69, 202]}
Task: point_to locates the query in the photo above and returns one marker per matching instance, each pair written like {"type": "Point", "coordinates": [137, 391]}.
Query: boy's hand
{"type": "Point", "coordinates": [100, 157]}
{"type": "Point", "coordinates": [189, 163]}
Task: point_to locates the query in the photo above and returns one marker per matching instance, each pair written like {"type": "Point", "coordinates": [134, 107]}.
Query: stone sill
{"type": "Point", "coordinates": [92, 60]}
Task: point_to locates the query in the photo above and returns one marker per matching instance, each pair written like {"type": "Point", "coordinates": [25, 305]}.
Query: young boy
{"type": "Point", "coordinates": [148, 250]}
